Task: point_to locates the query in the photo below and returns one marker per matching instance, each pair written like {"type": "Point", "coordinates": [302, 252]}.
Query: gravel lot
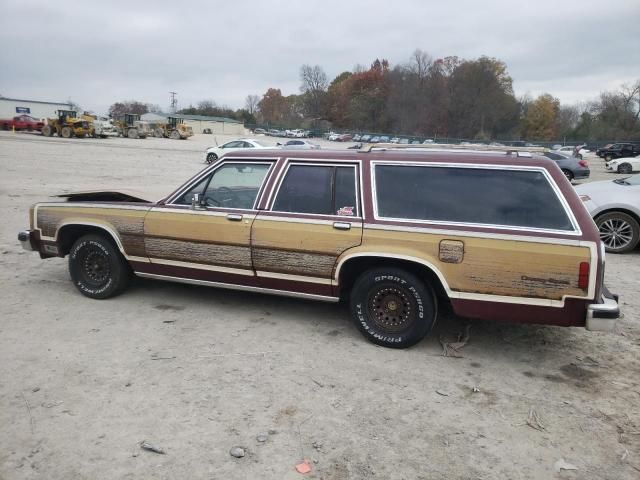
{"type": "Point", "coordinates": [197, 371]}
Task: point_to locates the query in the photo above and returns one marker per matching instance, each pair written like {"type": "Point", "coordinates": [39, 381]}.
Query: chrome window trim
{"type": "Point", "coordinates": [211, 171]}
{"type": "Point", "coordinates": [356, 164]}
{"type": "Point", "coordinates": [576, 229]}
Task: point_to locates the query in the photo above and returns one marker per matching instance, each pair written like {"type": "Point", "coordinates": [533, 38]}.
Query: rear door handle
{"type": "Point", "coordinates": [342, 226]}
{"type": "Point", "coordinates": [234, 217]}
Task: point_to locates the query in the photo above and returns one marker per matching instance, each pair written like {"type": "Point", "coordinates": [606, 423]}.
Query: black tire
{"type": "Point", "coordinates": [392, 307]}
{"type": "Point", "coordinates": [97, 268]}
{"type": "Point", "coordinates": [625, 168]}
{"type": "Point", "coordinates": [619, 231]}
{"type": "Point", "coordinates": [174, 135]}
{"type": "Point", "coordinates": [568, 174]}
{"type": "Point", "coordinates": [47, 131]}
{"type": "Point", "coordinates": [132, 133]}
{"type": "Point", "coordinates": [211, 157]}
{"type": "Point", "coordinates": [66, 132]}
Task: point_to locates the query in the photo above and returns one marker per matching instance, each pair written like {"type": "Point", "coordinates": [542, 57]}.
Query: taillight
{"type": "Point", "coordinates": [583, 163]}
{"type": "Point", "coordinates": [583, 275]}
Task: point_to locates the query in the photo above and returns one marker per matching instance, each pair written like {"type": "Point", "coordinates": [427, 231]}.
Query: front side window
{"type": "Point", "coordinates": [233, 185]}
{"type": "Point", "coordinates": [318, 189]}
{"type": "Point", "coordinates": [469, 195]}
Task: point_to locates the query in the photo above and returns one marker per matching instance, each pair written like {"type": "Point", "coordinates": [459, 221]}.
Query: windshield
{"type": "Point", "coordinates": [262, 144]}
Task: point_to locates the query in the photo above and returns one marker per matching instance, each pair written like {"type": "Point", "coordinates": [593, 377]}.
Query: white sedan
{"type": "Point", "coordinates": [213, 153]}
{"type": "Point", "coordinates": [615, 207]}
{"type": "Point", "coordinates": [624, 165]}
{"type": "Point", "coordinates": [299, 145]}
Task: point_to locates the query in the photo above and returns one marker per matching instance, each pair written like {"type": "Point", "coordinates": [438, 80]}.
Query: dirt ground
{"type": "Point", "coordinates": [197, 371]}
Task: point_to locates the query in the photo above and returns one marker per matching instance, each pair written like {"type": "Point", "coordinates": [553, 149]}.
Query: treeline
{"type": "Point", "coordinates": [447, 97]}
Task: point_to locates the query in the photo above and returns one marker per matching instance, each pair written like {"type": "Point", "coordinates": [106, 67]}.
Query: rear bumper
{"type": "Point", "coordinates": [602, 316]}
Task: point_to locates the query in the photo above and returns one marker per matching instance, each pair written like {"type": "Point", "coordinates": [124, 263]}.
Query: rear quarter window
{"type": "Point", "coordinates": [508, 198]}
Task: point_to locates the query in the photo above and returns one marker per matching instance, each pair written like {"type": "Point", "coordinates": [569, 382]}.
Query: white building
{"type": "Point", "coordinates": [201, 122]}
{"type": "Point", "coordinates": [10, 107]}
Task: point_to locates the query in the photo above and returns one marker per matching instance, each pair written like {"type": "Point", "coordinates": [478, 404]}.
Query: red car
{"type": "Point", "coordinates": [22, 122]}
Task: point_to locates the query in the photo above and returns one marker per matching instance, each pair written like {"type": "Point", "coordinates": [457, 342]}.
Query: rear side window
{"type": "Point", "coordinates": [319, 189]}
{"type": "Point", "coordinates": [469, 195]}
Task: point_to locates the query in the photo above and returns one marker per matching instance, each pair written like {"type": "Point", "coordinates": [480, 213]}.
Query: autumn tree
{"type": "Point", "coordinates": [541, 119]}
{"type": "Point", "coordinates": [273, 106]}
{"type": "Point", "coordinates": [481, 99]}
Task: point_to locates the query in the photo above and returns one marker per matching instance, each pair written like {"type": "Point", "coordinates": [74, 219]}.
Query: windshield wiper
{"type": "Point", "coordinates": [621, 181]}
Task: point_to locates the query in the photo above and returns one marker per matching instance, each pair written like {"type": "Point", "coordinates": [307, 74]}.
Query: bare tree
{"type": "Point", "coordinates": [314, 88]}
{"type": "Point", "coordinates": [251, 103]}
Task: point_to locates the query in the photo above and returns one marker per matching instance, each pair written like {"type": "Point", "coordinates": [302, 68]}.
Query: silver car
{"type": "Point", "coordinates": [615, 207]}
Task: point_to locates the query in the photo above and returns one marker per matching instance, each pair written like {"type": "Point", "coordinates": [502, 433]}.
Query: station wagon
{"type": "Point", "coordinates": [396, 233]}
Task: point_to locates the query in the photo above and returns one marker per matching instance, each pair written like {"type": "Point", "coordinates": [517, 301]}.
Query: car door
{"type": "Point", "coordinates": [313, 216]}
{"type": "Point", "coordinates": [203, 231]}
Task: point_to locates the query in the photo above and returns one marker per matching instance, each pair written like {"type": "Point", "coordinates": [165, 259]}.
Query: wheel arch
{"type": "Point", "coordinates": [631, 213]}
{"type": "Point", "coordinates": [68, 233]}
{"type": "Point", "coordinates": [350, 267]}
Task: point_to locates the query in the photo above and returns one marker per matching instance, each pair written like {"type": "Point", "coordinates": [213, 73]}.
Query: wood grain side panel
{"type": "Point", "coordinates": [293, 262]}
{"type": "Point", "coordinates": [492, 266]}
{"type": "Point", "coordinates": [206, 253]}
{"type": "Point", "coordinates": [127, 224]}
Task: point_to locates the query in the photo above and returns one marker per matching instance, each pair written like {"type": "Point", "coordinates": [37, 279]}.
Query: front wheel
{"type": "Point", "coordinates": [97, 268]}
{"type": "Point", "coordinates": [625, 168]}
{"type": "Point", "coordinates": [619, 231]}
{"type": "Point", "coordinates": [211, 157]}
{"type": "Point", "coordinates": [175, 135]}
{"type": "Point", "coordinates": [393, 307]}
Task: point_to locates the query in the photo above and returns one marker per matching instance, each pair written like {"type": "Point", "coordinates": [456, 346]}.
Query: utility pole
{"type": "Point", "coordinates": [174, 102]}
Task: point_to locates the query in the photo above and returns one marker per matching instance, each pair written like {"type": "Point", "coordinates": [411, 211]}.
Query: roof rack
{"type": "Point", "coordinates": [447, 146]}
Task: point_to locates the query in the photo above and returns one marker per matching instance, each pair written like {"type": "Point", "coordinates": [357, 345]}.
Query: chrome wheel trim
{"type": "Point", "coordinates": [616, 233]}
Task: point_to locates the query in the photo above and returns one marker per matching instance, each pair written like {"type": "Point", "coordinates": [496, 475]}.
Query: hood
{"type": "Point", "coordinates": [104, 196]}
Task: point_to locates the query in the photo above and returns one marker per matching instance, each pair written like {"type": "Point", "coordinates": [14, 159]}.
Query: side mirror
{"type": "Point", "coordinates": [195, 202]}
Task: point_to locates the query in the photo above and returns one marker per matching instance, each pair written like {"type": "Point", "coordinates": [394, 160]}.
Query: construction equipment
{"type": "Point", "coordinates": [67, 125]}
{"type": "Point", "coordinates": [131, 126]}
{"type": "Point", "coordinates": [174, 128]}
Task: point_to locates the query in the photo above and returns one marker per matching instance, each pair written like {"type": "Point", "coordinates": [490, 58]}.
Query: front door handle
{"type": "Point", "coordinates": [234, 217]}
{"type": "Point", "coordinates": [342, 226]}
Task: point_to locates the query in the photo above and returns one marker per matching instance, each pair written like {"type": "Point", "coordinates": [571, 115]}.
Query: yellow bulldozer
{"type": "Point", "coordinates": [67, 125]}
{"type": "Point", "coordinates": [174, 128]}
{"type": "Point", "coordinates": [131, 126]}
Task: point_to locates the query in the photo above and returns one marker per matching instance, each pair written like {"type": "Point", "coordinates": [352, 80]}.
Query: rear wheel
{"type": "Point", "coordinates": [97, 268]}
{"type": "Point", "coordinates": [66, 132]}
{"type": "Point", "coordinates": [47, 131]}
{"type": "Point", "coordinates": [625, 168]}
{"type": "Point", "coordinates": [158, 133]}
{"type": "Point", "coordinates": [619, 231]}
{"type": "Point", "coordinates": [568, 174]}
{"type": "Point", "coordinates": [132, 133]}
{"type": "Point", "coordinates": [392, 307]}
{"type": "Point", "coordinates": [175, 135]}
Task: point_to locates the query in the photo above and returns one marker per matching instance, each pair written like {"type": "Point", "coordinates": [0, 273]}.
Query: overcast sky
{"type": "Point", "coordinates": [99, 52]}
